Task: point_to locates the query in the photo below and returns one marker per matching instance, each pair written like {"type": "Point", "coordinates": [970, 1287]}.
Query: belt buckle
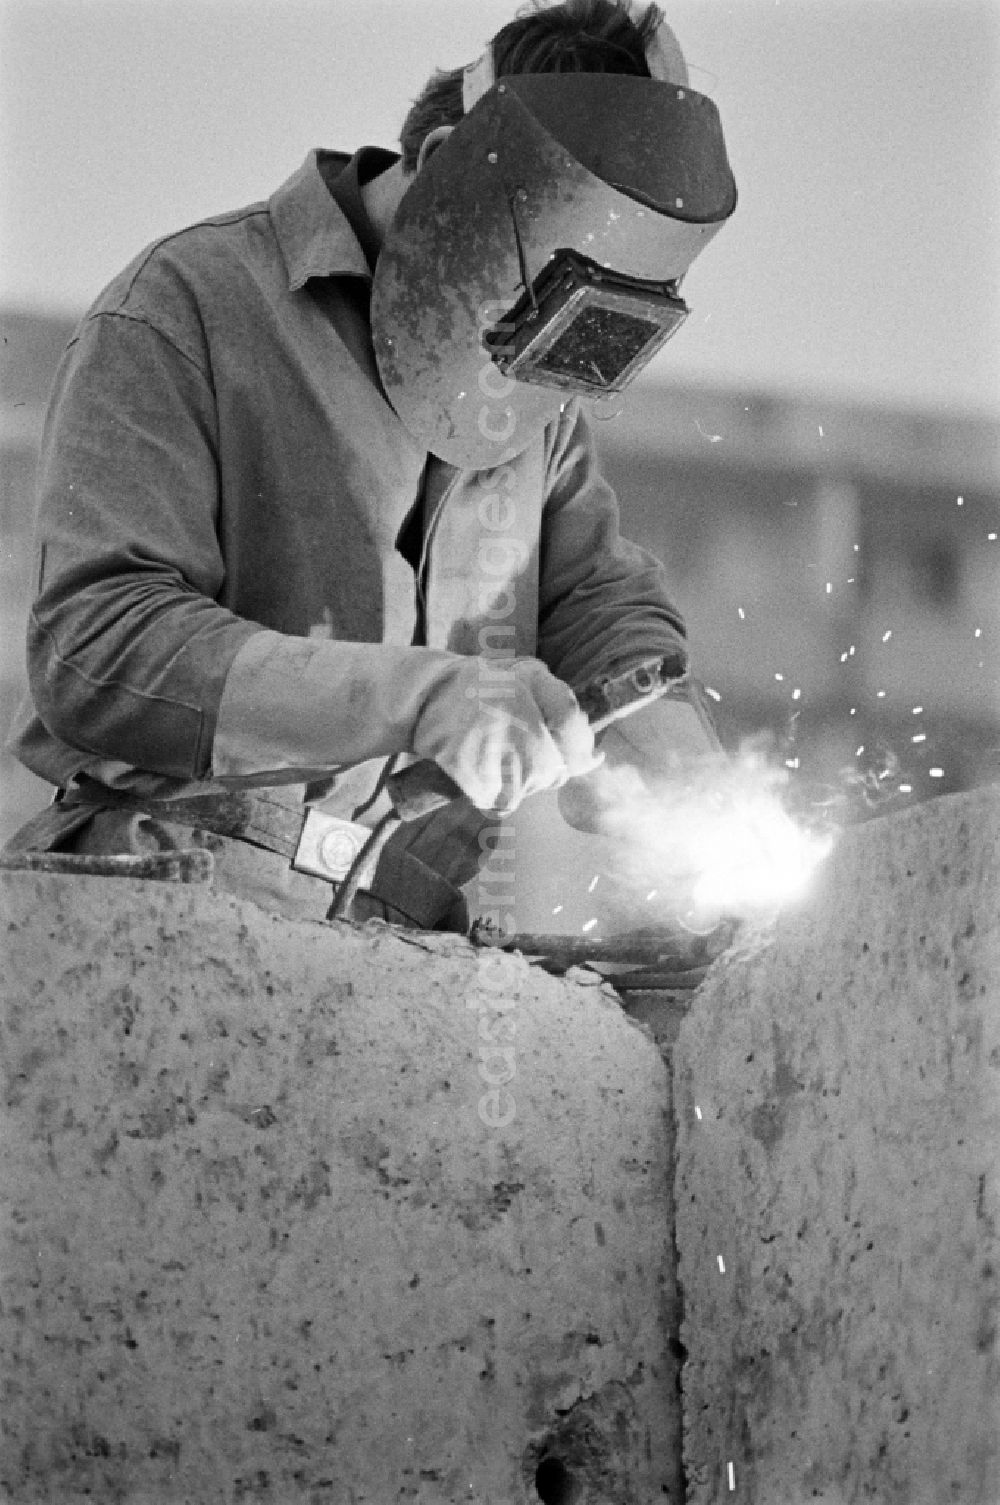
{"type": "Point", "coordinates": [328, 845]}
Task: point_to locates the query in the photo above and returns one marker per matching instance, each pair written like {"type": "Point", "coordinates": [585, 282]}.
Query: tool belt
{"type": "Point", "coordinates": [254, 836]}
{"type": "Point", "coordinates": [241, 815]}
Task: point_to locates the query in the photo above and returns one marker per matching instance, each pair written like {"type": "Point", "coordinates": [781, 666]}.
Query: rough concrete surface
{"type": "Point", "coordinates": [837, 1090]}
{"type": "Point", "coordinates": [268, 1237]}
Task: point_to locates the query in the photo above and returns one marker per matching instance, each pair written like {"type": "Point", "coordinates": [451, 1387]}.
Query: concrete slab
{"type": "Point", "coordinates": [838, 1108]}
{"type": "Point", "coordinates": [295, 1212]}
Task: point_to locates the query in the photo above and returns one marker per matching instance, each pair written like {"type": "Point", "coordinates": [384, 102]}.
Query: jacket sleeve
{"type": "Point", "coordinates": [127, 649]}
{"type": "Point", "coordinates": [130, 652]}
{"type": "Point", "coordinates": [603, 601]}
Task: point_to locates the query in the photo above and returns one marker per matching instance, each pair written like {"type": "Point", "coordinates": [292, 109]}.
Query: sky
{"type": "Point", "coordinates": [862, 261]}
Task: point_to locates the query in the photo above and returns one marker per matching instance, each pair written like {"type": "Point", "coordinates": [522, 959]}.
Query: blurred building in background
{"type": "Point", "coordinates": [839, 570]}
{"type": "Point", "coordinates": [838, 567]}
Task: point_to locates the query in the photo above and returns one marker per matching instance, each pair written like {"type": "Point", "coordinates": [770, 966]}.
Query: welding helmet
{"type": "Point", "coordinates": [538, 252]}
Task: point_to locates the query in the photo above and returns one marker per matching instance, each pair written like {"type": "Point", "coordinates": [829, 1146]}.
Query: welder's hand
{"type": "Point", "coordinates": [504, 729]}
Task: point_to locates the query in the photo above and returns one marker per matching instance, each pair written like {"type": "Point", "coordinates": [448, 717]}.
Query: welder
{"type": "Point", "coordinates": [318, 496]}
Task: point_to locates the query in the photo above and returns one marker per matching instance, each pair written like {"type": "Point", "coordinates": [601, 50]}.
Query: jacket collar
{"type": "Point", "coordinates": [314, 234]}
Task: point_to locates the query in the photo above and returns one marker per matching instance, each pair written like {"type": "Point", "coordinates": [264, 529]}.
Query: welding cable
{"type": "Point", "coordinates": [415, 791]}
{"type": "Point", "coordinates": [361, 873]}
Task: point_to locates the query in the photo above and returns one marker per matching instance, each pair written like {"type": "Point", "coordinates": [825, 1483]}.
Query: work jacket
{"type": "Point", "coordinates": [225, 591]}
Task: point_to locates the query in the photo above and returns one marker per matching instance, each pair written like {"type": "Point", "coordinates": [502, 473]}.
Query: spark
{"type": "Point", "coordinates": [726, 835]}
{"type": "Point", "coordinates": [743, 615]}
{"type": "Point", "coordinates": [588, 926]}
{"type": "Point", "coordinates": [712, 438]}
{"type": "Point", "coordinates": [919, 737]}
{"type": "Point", "coordinates": [857, 548]}
{"type": "Point", "coordinates": [651, 895]}
{"type": "Point", "coordinates": [821, 431]}
{"type": "Point", "coordinates": [851, 650]}
{"type": "Point", "coordinates": [991, 537]}
{"type": "Point", "coordinates": [850, 579]}
{"type": "Point", "coordinates": [936, 773]}
{"type": "Point", "coordinates": [887, 635]}
{"type": "Point", "coordinates": [558, 909]}
{"type": "Point", "coordinates": [779, 678]}
{"type": "Point", "coordinates": [918, 710]}
{"type": "Point", "coordinates": [906, 788]}
{"type": "Point", "coordinates": [593, 883]}
{"type": "Point", "coordinates": [714, 693]}
{"type": "Point", "coordinates": [879, 694]}
{"type": "Point", "coordinates": [756, 857]}
{"type": "Point", "coordinates": [829, 587]}
{"type": "Point", "coordinates": [796, 694]}
{"type": "Point", "coordinates": [854, 710]}
{"type": "Point", "coordinates": [843, 658]}
{"type": "Point", "coordinates": [978, 632]}
{"type": "Point", "coordinates": [791, 762]}
{"type": "Point", "coordinates": [860, 750]}
{"type": "Point", "coordinates": [960, 501]}
{"type": "Point", "coordinates": [697, 1111]}
{"type": "Point", "coordinates": [732, 1476]}
{"type": "Point", "coordinates": [722, 1264]}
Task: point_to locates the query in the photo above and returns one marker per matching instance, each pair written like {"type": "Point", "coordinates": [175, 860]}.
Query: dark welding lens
{"type": "Point", "coordinates": [597, 347]}
{"type": "Point", "coordinates": [584, 328]}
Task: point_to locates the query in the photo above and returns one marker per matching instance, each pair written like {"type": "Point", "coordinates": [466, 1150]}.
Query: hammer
{"type": "Point", "coordinates": [424, 787]}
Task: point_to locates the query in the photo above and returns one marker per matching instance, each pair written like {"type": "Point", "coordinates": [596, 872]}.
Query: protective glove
{"type": "Point", "coordinates": [503, 734]}
{"type": "Point", "coordinates": [502, 728]}
{"type": "Point", "coordinates": [420, 873]}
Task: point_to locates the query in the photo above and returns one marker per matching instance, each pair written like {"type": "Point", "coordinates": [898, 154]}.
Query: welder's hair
{"type": "Point", "coordinates": [578, 36]}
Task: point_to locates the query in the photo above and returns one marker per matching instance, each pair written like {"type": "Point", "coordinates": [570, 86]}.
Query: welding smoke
{"type": "Point", "coordinates": [716, 838]}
